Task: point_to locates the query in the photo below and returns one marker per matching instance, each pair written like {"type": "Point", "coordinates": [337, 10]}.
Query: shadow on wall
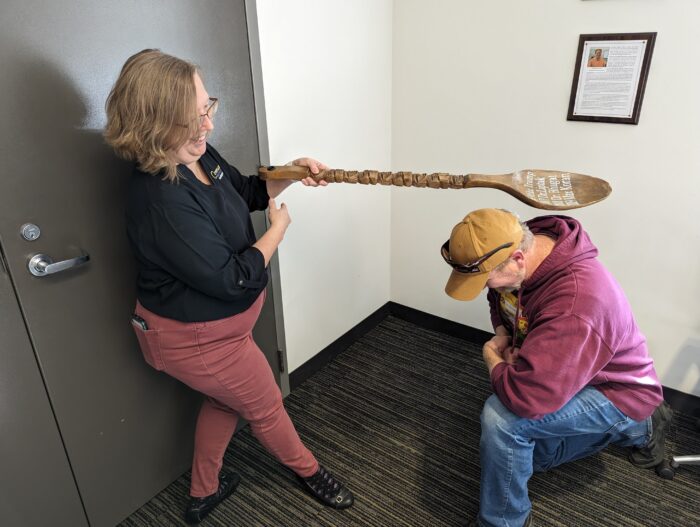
{"type": "Point", "coordinates": [686, 363]}
{"type": "Point", "coordinates": [71, 175]}
{"type": "Point", "coordinates": [53, 112]}
{"type": "Point", "coordinates": [73, 167]}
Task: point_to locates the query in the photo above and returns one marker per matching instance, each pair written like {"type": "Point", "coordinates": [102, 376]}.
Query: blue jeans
{"type": "Point", "coordinates": [513, 447]}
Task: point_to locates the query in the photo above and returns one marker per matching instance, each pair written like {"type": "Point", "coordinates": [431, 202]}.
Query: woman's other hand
{"type": "Point", "coordinates": [279, 217]}
{"type": "Point", "coordinates": [279, 221]}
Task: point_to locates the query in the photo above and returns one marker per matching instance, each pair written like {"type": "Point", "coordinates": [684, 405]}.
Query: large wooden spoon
{"type": "Point", "coordinates": [542, 189]}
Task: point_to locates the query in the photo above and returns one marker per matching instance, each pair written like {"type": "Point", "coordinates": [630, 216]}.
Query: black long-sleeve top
{"type": "Point", "coordinates": [193, 242]}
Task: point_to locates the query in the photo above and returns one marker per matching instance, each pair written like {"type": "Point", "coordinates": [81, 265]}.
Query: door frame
{"type": "Point", "coordinates": [264, 151]}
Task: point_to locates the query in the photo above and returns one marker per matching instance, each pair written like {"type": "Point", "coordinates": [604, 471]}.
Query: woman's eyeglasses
{"type": "Point", "coordinates": [472, 267]}
{"type": "Point", "coordinates": [211, 110]}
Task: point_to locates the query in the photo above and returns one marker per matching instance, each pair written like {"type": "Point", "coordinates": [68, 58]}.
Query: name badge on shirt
{"type": "Point", "coordinates": [217, 173]}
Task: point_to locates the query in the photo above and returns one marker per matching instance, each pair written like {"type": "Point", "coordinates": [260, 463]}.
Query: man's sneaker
{"type": "Point", "coordinates": [325, 488]}
{"type": "Point", "coordinates": [653, 453]}
{"type": "Point", "coordinates": [200, 507]}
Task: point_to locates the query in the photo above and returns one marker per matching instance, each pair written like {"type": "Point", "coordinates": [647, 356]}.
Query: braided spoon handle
{"type": "Point", "coordinates": [542, 189]}
{"type": "Point", "coordinates": [367, 177]}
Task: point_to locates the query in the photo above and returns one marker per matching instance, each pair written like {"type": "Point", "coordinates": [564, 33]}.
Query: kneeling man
{"type": "Point", "coordinates": [569, 367]}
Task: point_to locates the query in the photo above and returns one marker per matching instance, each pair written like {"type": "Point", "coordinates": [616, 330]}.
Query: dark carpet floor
{"type": "Point", "coordinates": [396, 416]}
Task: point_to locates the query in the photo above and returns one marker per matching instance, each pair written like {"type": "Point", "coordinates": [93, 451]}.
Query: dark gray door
{"type": "Point", "coordinates": [35, 470]}
{"type": "Point", "coordinates": [126, 430]}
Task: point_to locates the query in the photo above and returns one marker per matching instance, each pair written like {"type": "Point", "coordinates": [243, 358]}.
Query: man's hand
{"type": "Point", "coordinates": [492, 356]}
{"type": "Point", "coordinates": [510, 354]}
{"type": "Point", "coordinates": [500, 342]}
{"type": "Point", "coordinates": [498, 350]}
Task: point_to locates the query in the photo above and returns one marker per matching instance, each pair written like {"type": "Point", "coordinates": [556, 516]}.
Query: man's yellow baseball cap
{"type": "Point", "coordinates": [483, 240]}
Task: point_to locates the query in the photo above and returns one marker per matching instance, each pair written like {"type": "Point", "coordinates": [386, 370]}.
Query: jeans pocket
{"type": "Point", "coordinates": [149, 342]}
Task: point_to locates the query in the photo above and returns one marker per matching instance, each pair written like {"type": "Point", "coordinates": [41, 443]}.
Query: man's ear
{"type": "Point", "coordinates": [518, 257]}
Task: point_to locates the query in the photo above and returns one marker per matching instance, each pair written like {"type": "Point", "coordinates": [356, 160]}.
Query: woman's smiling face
{"type": "Point", "coordinates": [194, 148]}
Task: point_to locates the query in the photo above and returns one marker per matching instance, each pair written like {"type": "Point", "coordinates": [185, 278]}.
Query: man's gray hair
{"type": "Point", "coordinates": [525, 243]}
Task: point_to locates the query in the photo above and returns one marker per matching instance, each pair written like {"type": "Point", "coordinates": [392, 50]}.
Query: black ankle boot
{"type": "Point", "coordinates": [200, 507]}
{"type": "Point", "coordinates": [652, 453]}
{"type": "Point", "coordinates": [328, 490]}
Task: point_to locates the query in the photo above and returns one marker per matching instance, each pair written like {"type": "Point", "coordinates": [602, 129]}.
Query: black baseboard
{"type": "Point", "coordinates": [435, 323]}
{"type": "Point", "coordinates": [680, 401]}
{"type": "Point", "coordinates": [409, 314]}
{"type": "Point", "coordinates": [336, 347]}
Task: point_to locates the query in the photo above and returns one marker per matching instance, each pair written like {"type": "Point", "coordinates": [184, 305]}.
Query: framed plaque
{"type": "Point", "coordinates": [610, 77]}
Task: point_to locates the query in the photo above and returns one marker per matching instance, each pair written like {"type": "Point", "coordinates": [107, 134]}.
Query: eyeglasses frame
{"type": "Point", "coordinates": [209, 113]}
{"type": "Point", "coordinates": [214, 105]}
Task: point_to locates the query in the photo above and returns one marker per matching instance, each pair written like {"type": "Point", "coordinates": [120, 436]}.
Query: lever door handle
{"type": "Point", "coordinates": [42, 264]}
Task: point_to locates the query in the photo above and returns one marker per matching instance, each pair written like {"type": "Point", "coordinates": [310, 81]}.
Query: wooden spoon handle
{"type": "Point", "coordinates": [367, 177]}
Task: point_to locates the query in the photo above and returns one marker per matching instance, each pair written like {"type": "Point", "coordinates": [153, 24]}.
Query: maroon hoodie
{"type": "Point", "coordinates": [580, 332]}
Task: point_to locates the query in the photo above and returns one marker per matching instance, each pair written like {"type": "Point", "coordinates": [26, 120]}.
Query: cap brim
{"type": "Point", "coordinates": [462, 286]}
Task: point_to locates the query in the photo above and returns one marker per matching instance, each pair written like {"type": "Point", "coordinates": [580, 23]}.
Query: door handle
{"type": "Point", "coordinates": [42, 264]}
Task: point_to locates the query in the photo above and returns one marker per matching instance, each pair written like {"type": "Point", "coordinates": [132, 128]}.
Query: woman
{"type": "Point", "coordinates": [201, 272]}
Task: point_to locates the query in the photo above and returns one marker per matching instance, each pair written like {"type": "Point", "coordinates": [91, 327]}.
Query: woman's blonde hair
{"type": "Point", "coordinates": [152, 110]}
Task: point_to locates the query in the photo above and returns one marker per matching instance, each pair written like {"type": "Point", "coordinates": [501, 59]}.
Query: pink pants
{"type": "Point", "coordinates": [221, 360]}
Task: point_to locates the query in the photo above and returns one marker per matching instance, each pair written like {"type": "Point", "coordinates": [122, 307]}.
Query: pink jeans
{"type": "Point", "coordinates": [221, 360]}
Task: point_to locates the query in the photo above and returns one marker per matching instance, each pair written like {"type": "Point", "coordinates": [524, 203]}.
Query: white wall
{"type": "Point", "coordinates": [484, 87]}
{"type": "Point", "coordinates": [326, 68]}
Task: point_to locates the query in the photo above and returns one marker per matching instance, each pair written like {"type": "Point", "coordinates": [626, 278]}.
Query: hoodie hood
{"type": "Point", "coordinates": [572, 245]}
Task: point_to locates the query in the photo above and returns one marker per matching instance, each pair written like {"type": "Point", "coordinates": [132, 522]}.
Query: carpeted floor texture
{"type": "Point", "coordinates": [396, 417]}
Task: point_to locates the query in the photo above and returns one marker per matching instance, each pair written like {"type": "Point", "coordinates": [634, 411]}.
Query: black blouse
{"type": "Point", "coordinates": [193, 242]}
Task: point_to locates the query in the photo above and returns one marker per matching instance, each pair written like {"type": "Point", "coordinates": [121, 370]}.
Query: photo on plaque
{"type": "Point", "coordinates": [610, 77]}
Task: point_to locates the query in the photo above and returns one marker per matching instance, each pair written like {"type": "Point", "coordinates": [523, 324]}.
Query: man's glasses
{"type": "Point", "coordinates": [472, 267]}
